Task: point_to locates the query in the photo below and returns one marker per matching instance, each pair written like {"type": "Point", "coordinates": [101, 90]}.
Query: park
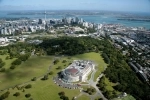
{"type": "Point", "coordinates": [37, 66]}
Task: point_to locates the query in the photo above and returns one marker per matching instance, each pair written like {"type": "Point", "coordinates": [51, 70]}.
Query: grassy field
{"type": "Point", "coordinates": [34, 67]}
{"type": "Point", "coordinates": [129, 97]}
{"type": "Point", "coordinates": [44, 90]}
{"type": "Point", "coordinates": [96, 57]}
{"type": "Point", "coordinates": [83, 97]}
{"type": "Point", "coordinates": [7, 62]}
{"type": "Point", "coordinates": [109, 85]}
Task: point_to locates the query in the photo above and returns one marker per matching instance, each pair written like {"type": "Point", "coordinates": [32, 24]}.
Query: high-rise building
{"type": "Point", "coordinates": [40, 21]}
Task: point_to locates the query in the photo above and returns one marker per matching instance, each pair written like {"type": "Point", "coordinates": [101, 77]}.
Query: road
{"type": "Point", "coordinates": [93, 84]}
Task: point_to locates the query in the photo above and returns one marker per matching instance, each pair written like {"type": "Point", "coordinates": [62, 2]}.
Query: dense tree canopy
{"type": "Point", "coordinates": [70, 46]}
{"type": "Point", "coordinates": [1, 63]}
{"type": "Point", "coordinates": [118, 70]}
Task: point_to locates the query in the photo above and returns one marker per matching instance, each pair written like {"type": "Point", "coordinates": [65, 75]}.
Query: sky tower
{"type": "Point", "coordinates": [45, 16]}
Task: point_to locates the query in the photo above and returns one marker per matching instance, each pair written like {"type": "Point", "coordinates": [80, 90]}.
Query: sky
{"type": "Point", "coordinates": [109, 5]}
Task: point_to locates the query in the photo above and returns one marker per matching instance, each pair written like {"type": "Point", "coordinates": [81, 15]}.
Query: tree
{"type": "Point", "coordinates": [28, 86]}
{"type": "Point", "coordinates": [1, 63]}
{"type": "Point", "coordinates": [27, 95]}
{"type": "Point", "coordinates": [56, 61]}
{"type": "Point", "coordinates": [64, 61]}
{"type": "Point", "coordinates": [45, 77]}
{"type": "Point", "coordinates": [65, 98]}
{"type": "Point", "coordinates": [51, 73]}
{"type": "Point", "coordinates": [106, 59]}
{"type": "Point", "coordinates": [17, 94]}
{"type": "Point", "coordinates": [59, 67]}
{"type": "Point", "coordinates": [12, 67]}
{"type": "Point", "coordinates": [61, 93]}
{"type": "Point", "coordinates": [16, 62]}
{"type": "Point", "coordinates": [24, 57]}
{"type": "Point", "coordinates": [7, 57]}
{"type": "Point", "coordinates": [2, 70]}
{"type": "Point", "coordinates": [5, 95]}
{"type": "Point", "coordinates": [33, 79]}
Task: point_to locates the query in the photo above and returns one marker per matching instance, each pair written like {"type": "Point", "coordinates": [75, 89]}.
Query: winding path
{"type": "Point", "coordinates": [93, 84]}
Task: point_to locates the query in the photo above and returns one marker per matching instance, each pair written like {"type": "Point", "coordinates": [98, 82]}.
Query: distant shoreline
{"type": "Point", "coordinates": [130, 19]}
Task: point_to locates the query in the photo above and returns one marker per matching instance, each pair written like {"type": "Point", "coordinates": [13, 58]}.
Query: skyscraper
{"type": "Point", "coordinates": [40, 21]}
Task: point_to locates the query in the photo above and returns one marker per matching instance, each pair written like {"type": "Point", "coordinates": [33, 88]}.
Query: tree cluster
{"type": "Point", "coordinates": [2, 63]}
{"type": "Point", "coordinates": [62, 96]}
{"type": "Point", "coordinates": [5, 95]}
{"type": "Point", "coordinates": [28, 86]}
{"type": "Point", "coordinates": [105, 57]}
{"type": "Point", "coordinates": [102, 86]}
{"type": "Point", "coordinates": [70, 45]}
{"type": "Point", "coordinates": [90, 90]}
{"type": "Point", "coordinates": [118, 71]}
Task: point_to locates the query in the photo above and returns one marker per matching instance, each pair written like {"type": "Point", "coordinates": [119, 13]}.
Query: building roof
{"type": "Point", "coordinates": [71, 71]}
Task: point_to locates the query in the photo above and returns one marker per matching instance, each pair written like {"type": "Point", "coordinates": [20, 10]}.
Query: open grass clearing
{"type": "Point", "coordinates": [83, 97]}
{"type": "Point", "coordinates": [33, 67]}
{"type": "Point", "coordinates": [7, 62]}
{"type": "Point", "coordinates": [129, 97]}
{"type": "Point", "coordinates": [96, 57]}
{"type": "Point", "coordinates": [43, 90]}
{"type": "Point", "coordinates": [109, 85]}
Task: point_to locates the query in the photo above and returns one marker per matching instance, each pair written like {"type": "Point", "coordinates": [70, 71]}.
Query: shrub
{"type": "Point", "coordinates": [28, 86]}
{"type": "Point", "coordinates": [5, 95]}
{"type": "Point", "coordinates": [56, 61]}
{"type": "Point", "coordinates": [2, 70]}
{"type": "Point", "coordinates": [12, 67]}
{"type": "Point", "coordinates": [33, 79]}
{"type": "Point", "coordinates": [7, 57]}
{"type": "Point", "coordinates": [45, 77]}
{"type": "Point", "coordinates": [28, 95]}
{"type": "Point", "coordinates": [16, 62]}
{"type": "Point", "coordinates": [51, 73]}
{"type": "Point", "coordinates": [1, 63]}
{"type": "Point", "coordinates": [64, 61]}
{"type": "Point", "coordinates": [17, 94]}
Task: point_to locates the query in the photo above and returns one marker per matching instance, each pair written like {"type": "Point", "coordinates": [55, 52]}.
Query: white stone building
{"type": "Point", "coordinates": [78, 71]}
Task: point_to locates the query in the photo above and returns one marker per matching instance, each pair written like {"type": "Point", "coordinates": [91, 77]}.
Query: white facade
{"type": "Point", "coordinates": [78, 71]}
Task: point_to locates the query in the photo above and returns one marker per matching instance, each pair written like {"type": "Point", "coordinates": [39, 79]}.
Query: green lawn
{"type": "Point", "coordinates": [34, 67]}
{"type": "Point", "coordinates": [44, 90]}
{"type": "Point", "coordinates": [109, 85]}
{"type": "Point", "coordinates": [129, 97]}
{"type": "Point", "coordinates": [7, 62]}
{"type": "Point", "coordinates": [96, 57]}
{"type": "Point", "coordinates": [83, 97]}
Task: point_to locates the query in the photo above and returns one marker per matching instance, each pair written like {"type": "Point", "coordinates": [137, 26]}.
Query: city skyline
{"type": "Point", "coordinates": [108, 5]}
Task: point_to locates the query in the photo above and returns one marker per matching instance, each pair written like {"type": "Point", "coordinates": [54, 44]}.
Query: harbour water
{"type": "Point", "coordinates": [109, 19]}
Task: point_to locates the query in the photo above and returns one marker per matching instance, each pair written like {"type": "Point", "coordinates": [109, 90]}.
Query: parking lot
{"type": "Point", "coordinates": [63, 84]}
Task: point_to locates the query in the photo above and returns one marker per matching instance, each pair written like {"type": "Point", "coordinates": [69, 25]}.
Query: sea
{"type": "Point", "coordinates": [98, 18]}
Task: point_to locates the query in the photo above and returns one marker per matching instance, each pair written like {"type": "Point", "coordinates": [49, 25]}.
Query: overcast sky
{"type": "Point", "coordinates": [110, 5]}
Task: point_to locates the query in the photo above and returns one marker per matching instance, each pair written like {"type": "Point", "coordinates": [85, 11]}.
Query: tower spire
{"type": "Point", "coordinates": [45, 15]}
